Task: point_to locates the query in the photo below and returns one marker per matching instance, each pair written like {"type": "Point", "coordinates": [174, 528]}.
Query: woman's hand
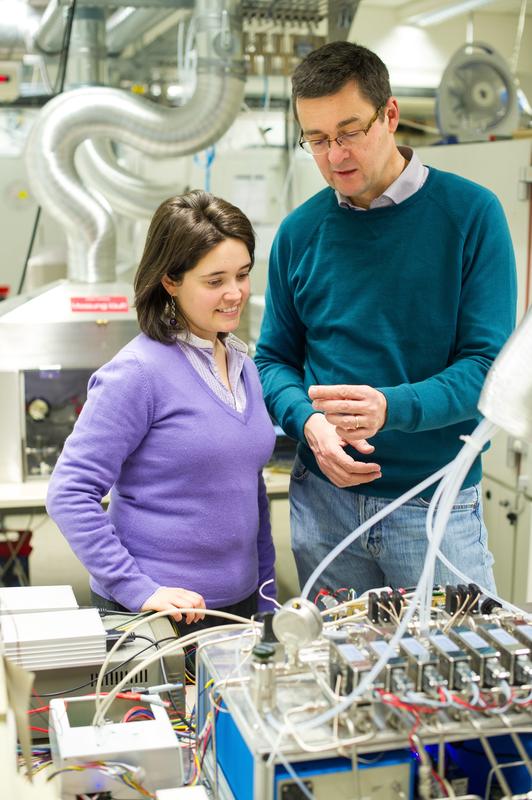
{"type": "Point", "coordinates": [174, 598]}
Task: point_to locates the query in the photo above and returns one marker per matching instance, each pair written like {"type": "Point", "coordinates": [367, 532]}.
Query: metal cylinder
{"type": "Point", "coordinates": [297, 623]}
{"type": "Point", "coordinates": [87, 52]}
{"type": "Point", "coordinates": [263, 683]}
{"type": "Point", "coordinates": [48, 37]}
{"type": "Point", "coordinates": [128, 24]}
{"type": "Point", "coordinates": [18, 23]}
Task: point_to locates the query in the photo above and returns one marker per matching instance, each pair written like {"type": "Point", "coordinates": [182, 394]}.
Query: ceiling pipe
{"type": "Point", "coordinates": [128, 24]}
{"type": "Point", "coordinates": [71, 118]}
{"type": "Point", "coordinates": [48, 37]}
{"type": "Point", "coordinates": [17, 26]}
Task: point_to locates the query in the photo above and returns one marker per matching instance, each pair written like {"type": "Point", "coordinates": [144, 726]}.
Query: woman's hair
{"type": "Point", "coordinates": [183, 230]}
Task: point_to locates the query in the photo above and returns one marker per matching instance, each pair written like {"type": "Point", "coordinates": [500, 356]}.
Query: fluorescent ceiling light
{"type": "Point", "coordinates": [436, 14]}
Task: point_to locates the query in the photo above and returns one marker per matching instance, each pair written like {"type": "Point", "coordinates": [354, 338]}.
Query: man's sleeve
{"type": "Point", "coordinates": [486, 318]}
{"type": "Point", "coordinates": [281, 347]}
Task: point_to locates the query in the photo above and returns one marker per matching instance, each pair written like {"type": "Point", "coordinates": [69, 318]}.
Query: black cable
{"type": "Point", "coordinates": [110, 671]}
{"type": "Point", "coordinates": [177, 712]}
{"type": "Point", "coordinates": [58, 89]}
{"type": "Point", "coordinates": [105, 612]}
{"type": "Point", "coordinates": [65, 49]}
{"type": "Point", "coordinates": [149, 639]}
{"type": "Point", "coordinates": [30, 248]}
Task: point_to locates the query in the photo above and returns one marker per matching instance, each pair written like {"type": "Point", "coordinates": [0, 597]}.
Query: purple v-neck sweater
{"type": "Point", "coordinates": [188, 503]}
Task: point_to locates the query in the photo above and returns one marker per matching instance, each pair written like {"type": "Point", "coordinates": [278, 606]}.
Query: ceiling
{"type": "Point", "coordinates": [495, 7]}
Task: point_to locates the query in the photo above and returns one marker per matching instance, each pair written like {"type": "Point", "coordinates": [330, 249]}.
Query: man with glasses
{"type": "Point", "coordinates": [390, 294]}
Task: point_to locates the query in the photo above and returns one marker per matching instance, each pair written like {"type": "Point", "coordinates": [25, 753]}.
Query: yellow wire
{"type": "Point", "coordinates": [198, 770]}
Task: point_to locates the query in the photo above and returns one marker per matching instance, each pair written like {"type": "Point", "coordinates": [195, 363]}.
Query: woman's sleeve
{"type": "Point", "coordinates": [115, 419]}
{"type": "Point", "coordinates": [266, 551]}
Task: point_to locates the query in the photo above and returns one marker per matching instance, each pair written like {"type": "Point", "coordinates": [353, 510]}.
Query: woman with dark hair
{"type": "Point", "coordinates": [175, 423]}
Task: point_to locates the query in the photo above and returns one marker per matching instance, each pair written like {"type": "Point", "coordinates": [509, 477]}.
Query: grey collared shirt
{"type": "Point", "coordinates": [409, 181]}
{"type": "Point", "coordinates": [200, 353]}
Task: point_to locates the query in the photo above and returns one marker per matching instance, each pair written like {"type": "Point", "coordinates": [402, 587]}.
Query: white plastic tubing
{"type": "Point", "coordinates": [452, 477]}
{"type": "Point", "coordinates": [73, 117]}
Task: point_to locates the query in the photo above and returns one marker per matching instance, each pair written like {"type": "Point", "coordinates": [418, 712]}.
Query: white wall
{"type": "Point", "coordinates": [418, 56]}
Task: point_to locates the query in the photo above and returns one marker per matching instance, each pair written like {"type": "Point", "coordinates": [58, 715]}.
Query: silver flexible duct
{"type": "Point", "coordinates": [86, 60]}
{"type": "Point", "coordinates": [49, 35]}
{"type": "Point", "coordinates": [127, 194]}
{"type": "Point", "coordinates": [23, 28]}
{"type": "Point", "coordinates": [129, 23]}
{"type": "Point", "coordinates": [72, 117]}
{"type": "Point", "coordinates": [18, 22]}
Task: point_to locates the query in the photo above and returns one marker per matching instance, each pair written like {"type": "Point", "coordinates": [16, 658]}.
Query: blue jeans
{"type": "Point", "coordinates": [390, 553]}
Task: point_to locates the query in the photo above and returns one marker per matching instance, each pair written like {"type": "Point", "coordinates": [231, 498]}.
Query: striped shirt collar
{"type": "Point", "coordinates": [200, 354]}
{"type": "Point", "coordinates": [229, 340]}
{"type": "Point", "coordinates": [409, 181]}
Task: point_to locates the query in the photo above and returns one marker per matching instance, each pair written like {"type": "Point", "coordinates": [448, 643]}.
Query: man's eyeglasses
{"type": "Point", "coordinates": [318, 147]}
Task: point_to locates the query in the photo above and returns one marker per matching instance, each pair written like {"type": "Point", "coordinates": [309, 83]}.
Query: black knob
{"type": "Point", "coordinates": [266, 617]}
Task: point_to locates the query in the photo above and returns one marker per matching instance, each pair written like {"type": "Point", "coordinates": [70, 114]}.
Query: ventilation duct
{"type": "Point", "coordinates": [69, 119]}
{"type": "Point", "coordinates": [18, 23]}
{"type": "Point", "coordinates": [127, 194]}
{"type": "Point", "coordinates": [87, 51]}
{"type": "Point", "coordinates": [48, 36]}
{"type": "Point", "coordinates": [128, 24]}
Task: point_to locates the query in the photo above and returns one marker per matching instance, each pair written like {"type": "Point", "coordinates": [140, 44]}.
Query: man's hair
{"type": "Point", "coordinates": [326, 70]}
{"type": "Point", "coordinates": [183, 230]}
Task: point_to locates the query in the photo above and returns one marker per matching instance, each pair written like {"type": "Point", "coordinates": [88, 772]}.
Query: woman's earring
{"type": "Point", "coordinates": [173, 320]}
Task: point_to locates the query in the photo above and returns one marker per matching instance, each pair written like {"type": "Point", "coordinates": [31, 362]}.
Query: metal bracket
{"type": "Point", "coordinates": [516, 458]}
{"type": "Point", "coordinates": [523, 184]}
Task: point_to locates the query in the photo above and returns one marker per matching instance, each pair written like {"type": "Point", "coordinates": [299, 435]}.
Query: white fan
{"type": "Point", "coordinates": [477, 97]}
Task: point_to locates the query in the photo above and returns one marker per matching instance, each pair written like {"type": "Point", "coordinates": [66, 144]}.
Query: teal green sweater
{"type": "Point", "coordinates": [414, 299]}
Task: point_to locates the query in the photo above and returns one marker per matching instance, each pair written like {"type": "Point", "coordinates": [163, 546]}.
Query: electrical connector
{"type": "Point", "coordinates": [113, 635]}
{"type": "Point", "coordinates": [373, 606]}
{"type": "Point", "coordinates": [452, 600]}
{"type": "Point", "coordinates": [474, 592]}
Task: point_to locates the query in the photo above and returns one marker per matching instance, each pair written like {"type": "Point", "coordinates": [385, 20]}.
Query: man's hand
{"type": "Point", "coordinates": [357, 412]}
{"type": "Point", "coordinates": [174, 598]}
{"type": "Point", "coordinates": [327, 446]}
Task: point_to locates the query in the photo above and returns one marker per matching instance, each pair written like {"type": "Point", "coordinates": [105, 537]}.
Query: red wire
{"type": "Point", "coordinates": [440, 782]}
{"type": "Point", "coordinates": [321, 593]}
{"type": "Point", "coordinates": [393, 700]}
{"type": "Point", "coordinates": [146, 713]}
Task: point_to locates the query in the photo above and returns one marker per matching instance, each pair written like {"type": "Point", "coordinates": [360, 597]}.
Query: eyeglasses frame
{"type": "Point", "coordinates": [302, 142]}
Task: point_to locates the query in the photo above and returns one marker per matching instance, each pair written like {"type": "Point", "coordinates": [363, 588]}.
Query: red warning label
{"type": "Point", "coordinates": [113, 305]}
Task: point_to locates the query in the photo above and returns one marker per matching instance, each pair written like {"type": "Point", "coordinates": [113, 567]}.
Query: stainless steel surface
{"type": "Point", "coordinates": [11, 428]}
{"type": "Point", "coordinates": [42, 335]}
{"type": "Point", "coordinates": [37, 330]}
{"type": "Point", "coordinates": [297, 623]}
